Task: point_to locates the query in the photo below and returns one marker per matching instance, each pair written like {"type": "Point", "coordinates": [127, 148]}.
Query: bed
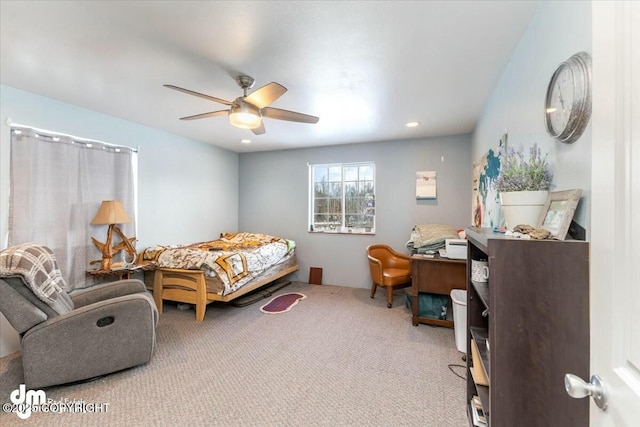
{"type": "Point", "coordinates": [218, 270]}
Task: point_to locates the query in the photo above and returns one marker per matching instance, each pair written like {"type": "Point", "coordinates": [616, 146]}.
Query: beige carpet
{"type": "Point", "coordinates": [338, 358]}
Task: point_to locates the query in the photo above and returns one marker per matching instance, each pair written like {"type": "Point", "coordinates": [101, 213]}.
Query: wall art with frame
{"type": "Point", "coordinates": [426, 185]}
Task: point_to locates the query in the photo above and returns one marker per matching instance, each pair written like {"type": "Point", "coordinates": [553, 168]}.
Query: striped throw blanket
{"type": "Point", "coordinates": [38, 267]}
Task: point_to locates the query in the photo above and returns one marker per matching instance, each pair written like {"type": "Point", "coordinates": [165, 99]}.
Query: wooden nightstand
{"type": "Point", "coordinates": [122, 273]}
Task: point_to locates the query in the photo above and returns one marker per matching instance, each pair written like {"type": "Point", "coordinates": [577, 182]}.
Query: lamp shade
{"type": "Point", "coordinates": [111, 212]}
{"type": "Point", "coordinates": [244, 115]}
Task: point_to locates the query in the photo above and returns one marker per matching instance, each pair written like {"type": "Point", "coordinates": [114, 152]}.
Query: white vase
{"type": "Point", "coordinates": [522, 207]}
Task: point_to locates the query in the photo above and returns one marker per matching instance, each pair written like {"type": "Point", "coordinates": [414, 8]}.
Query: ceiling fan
{"type": "Point", "coordinates": [247, 111]}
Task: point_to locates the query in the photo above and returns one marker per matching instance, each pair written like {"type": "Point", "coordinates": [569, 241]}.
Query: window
{"type": "Point", "coordinates": [342, 198]}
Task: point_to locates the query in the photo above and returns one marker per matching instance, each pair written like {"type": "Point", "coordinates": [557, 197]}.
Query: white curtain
{"type": "Point", "coordinates": [57, 185]}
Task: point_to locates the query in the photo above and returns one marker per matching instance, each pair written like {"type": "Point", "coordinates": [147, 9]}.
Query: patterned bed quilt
{"type": "Point", "coordinates": [235, 258]}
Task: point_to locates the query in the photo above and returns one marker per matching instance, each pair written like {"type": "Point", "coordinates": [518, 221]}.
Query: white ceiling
{"type": "Point", "coordinates": [364, 67]}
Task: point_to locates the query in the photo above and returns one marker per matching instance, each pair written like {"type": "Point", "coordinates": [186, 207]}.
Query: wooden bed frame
{"type": "Point", "coordinates": [189, 286]}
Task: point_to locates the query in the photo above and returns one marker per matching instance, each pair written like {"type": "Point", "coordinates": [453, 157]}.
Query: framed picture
{"type": "Point", "coordinates": [426, 185]}
{"type": "Point", "coordinates": [558, 211]}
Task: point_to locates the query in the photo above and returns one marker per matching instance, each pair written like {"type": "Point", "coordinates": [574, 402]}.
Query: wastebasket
{"type": "Point", "coordinates": [459, 299]}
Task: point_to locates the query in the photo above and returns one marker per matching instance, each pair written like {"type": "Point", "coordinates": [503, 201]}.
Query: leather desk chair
{"type": "Point", "coordinates": [389, 269]}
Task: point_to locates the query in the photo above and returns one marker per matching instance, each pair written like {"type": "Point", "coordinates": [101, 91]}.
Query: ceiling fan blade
{"type": "Point", "coordinates": [259, 130]}
{"type": "Point", "coordinates": [266, 95]}
{"type": "Point", "coordinates": [292, 116]}
{"type": "Point", "coordinates": [201, 95]}
{"type": "Point", "coordinates": [205, 115]}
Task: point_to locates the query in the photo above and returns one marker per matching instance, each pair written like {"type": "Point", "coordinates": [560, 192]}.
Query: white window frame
{"type": "Point", "coordinates": [344, 222]}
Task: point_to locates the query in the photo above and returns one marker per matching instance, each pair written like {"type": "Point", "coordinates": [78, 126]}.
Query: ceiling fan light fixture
{"type": "Point", "coordinates": [244, 115]}
{"type": "Point", "coordinates": [244, 120]}
{"type": "Point", "coordinates": [246, 111]}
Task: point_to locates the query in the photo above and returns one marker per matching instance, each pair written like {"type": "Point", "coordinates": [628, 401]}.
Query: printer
{"type": "Point", "coordinates": [456, 248]}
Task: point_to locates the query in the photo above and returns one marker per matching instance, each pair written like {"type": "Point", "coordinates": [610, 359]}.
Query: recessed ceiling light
{"type": "Point", "coordinates": [245, 141]}
{"type": "Point", "coordinates": [412, 124]}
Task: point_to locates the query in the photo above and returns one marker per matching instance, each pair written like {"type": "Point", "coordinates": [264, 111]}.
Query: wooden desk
{"type": "Point", "coordinates": [437, 276]}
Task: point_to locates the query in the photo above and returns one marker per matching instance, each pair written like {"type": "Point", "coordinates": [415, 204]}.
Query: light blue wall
{"type": "Point", "coordinates": [188, 190]}
{"type": "Point", "coordinates": [274, 188]}
{"type": "Point", "coordinates": [557, 31]}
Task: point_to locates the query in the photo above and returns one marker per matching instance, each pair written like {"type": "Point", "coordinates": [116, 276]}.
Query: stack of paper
{"type": "Point", "coordinates": [477, 412]}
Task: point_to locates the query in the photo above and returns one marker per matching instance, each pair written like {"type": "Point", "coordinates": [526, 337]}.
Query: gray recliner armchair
{"type": "Point", "coordinates": [69, 337]}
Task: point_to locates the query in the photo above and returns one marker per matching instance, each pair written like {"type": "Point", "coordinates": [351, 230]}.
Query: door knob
{"type": "Point", "coordinates": [577, 388]}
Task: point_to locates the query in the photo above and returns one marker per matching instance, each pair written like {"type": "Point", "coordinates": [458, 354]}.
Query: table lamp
{"type": "Point", "coordinates": [111, 213]}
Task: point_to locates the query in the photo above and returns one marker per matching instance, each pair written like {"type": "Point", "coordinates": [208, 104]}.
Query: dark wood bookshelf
{"type": "Point", "coordinates": [530, 322]}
